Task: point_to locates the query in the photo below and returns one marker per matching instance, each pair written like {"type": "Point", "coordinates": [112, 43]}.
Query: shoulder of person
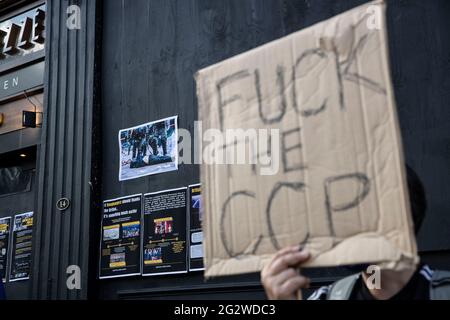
{"type": "Point", "coordinates": [440, 285]}
{"type": "Point", "coordinates": [341, 289]}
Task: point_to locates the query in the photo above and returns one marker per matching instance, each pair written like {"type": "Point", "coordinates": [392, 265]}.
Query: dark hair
{"type": "Point", "coordinates": [417, 198]}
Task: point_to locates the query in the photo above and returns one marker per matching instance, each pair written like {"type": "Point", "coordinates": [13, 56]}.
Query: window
{"type": "Point", "coordinates": [16, 171]}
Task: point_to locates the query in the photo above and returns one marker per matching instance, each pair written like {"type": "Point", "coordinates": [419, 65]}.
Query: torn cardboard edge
{"type": "Point", "coordinates": [397, 261]}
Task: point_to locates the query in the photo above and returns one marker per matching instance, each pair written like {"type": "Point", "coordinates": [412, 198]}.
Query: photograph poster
{"type": "Point", "coordinates": [164, 234]}
{"type": "Point", "coordinates": [5, 230]}
{"type": "Point", "coordinates": [121, 237]}
{"type": "Point", "coordinates": [21, 247]}
{"type": "Point", "coordinates": [148, 149]}
{"type": "Point", "coordinates": [195, 229]}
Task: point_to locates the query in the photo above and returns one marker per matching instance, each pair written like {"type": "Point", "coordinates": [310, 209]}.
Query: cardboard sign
{"type": "Point", "coordinates": [324, 157]}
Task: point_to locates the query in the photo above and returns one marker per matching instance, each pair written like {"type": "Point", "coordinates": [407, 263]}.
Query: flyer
{"type": "Point", "coordinates": [195, 229]}
{"type": "Point", "coordinates": [148, 149]}
{"type": "Point", "coordinates": [5, 230]}
{"type": "Point", "coordinates": [121, 237]}
{"type": "Point", "coordinates": [164, 235]}
{"type": "Point", "coordinates": [21, 247]}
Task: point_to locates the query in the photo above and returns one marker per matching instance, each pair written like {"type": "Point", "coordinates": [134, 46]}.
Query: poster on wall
{"type": "Point", "coordinates": [164, 234]}
{"type": "Point", "coordinates": [21, 247]}
{"type": "Point", "coordinates": [121, 237]}
{"type": "Point", "coordinates": [195, 229]}
{"type": "Point", "coordinates": [5, 230]}
{"type": "Point", "coordinates": [148, 149]}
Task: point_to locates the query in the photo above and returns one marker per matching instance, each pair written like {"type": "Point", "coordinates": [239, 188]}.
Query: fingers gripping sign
{"type": "Point", "coordinates": [281, 277]}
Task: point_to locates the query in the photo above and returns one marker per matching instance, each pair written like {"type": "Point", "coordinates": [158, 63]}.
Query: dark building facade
{"type": "Point", "coordinates": [101, 66]}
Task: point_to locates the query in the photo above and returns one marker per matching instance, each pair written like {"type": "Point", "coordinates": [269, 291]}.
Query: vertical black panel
{"type": "Point", "coordinates": [63, 238]}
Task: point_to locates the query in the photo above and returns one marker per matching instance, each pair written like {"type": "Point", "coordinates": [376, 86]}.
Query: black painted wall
{"type": "Point", "coordinates": [152, 48]}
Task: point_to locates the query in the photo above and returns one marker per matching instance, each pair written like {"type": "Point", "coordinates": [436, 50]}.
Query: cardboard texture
{"type": "Point", "coordinates": [341, 186]}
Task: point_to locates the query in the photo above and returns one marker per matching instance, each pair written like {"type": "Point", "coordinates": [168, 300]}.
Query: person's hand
{"type": "Point", "coordinates": [281, 277]}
